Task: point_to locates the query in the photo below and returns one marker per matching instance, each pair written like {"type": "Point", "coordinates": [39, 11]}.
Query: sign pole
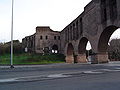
{"type": "Point", "coordinates": [11, 59]}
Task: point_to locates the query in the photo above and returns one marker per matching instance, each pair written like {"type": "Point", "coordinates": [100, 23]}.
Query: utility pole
{"type": "Point", "coordinates": [11, 59]}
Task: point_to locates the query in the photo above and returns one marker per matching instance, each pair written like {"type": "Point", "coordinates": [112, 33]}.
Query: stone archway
{"type": "Point", "coordinates": [55, 48]}
{"type": "Point", "coordinates": [102, 55]}
{"type": "Point", "coordinates": [70, 53]}
{"type": "Point", "coordinates": [81, 58]}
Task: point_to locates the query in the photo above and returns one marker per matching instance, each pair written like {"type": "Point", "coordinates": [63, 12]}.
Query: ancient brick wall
{"type": "Point", "coordinates": [95, 24]}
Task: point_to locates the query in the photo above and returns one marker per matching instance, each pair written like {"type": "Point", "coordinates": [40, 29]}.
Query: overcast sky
{"type": "Point", "coordinates": [31, 13]}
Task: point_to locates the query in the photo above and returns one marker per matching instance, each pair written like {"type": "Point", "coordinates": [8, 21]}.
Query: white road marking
{"type": "Point", "coordinates": [92, 72]}
{"type": "Point", "coordinates": [8, 80]}
{"type": "Point", "coordinates": [109, 70]}
{"type": "Point", "coordinates": [57, 76]}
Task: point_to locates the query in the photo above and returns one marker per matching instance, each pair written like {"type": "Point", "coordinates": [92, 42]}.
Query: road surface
{"type": "Point", "coordinates": [61, 77]}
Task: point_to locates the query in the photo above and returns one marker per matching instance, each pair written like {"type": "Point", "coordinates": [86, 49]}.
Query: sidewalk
{"type": "Point", "coordinates": [27, 66]}
{"type": "Point", "coordinates": [59, 64]}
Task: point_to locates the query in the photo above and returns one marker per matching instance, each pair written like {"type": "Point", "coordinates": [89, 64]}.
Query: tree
{"type": "Point", "coordinates": [5, 47]}
{"type": "Point", "coordinates": [114, 49]}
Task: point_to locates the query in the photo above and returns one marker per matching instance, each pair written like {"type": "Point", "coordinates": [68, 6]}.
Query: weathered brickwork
{"type": "Point", "coordinates": [96, 24]}
{"type": "Point", "coordinates": [45, 41]}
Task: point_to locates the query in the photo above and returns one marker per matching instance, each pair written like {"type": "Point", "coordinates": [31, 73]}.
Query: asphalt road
{"type": "Point", "coordinates": [61, 77]}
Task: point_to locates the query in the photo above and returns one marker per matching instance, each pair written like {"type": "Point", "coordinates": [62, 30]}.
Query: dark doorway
{"type": "Point", "coordinates": [55, 49]}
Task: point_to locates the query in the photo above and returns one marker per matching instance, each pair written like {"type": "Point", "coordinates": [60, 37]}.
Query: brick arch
{"type": "Point", "coordinates": [81, 58]}
{"type": "Point", "coordinates": [82, 45]}
{"type": "Point", "coordinates": [104, 38]}
{"type": "Point", "coordinates": [102, 55]}
{"type": "Point", "coordinates": [70, 53]}
{"type": "Point", "coordinates": [70, 49]}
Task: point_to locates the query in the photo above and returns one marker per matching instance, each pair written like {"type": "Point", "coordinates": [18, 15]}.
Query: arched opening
{"type": "Point", "coordinates": [114, 46]}
{"type": "Point", "coordinates": [55, 49]}
{"type": "Point", "coordinates": [104, 43]}
{"type": "Point", "coordinates": [104, 38]}
{"type": "Point", "coordinates": [70, 53]}
{"type": "Point", "coordinates": [82, 45]}
{"type": "Point", "coordinates": [84, 48]}
{"type": "Point", "coordinates": [89, 52]}
{"type": "Point", "coordinates": [70, 49]}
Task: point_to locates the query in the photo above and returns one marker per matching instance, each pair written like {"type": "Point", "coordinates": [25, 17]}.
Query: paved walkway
{"type": "Point", "coordinates": [112, 63]}
{"type": "Point", "coordinates": [23, 66]}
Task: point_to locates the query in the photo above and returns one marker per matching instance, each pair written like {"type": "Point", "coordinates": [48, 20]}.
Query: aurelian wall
{"type": "Point", "coordinates": [46, 39]}
{"type": "Point", "coordinates": [95, 24]}
{"type": "Point", "coordinates": [28, 43]}
{"type": "Point", "coordinates": [43, 41]}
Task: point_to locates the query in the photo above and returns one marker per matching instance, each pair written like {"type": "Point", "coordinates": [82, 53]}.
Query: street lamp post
{"type": "Point", "coordinates": [11, 59]}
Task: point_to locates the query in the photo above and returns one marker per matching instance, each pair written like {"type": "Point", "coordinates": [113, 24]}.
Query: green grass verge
{"type": "Point", "coordinates": [32, 59]}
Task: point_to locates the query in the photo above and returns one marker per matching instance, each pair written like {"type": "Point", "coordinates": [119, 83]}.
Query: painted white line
{"type": "Point", "coordinates": [8, 80]}
{"type": "Point", "coordinates": [57, 76]}
{"type": "Point", "coordinates": [108, 70]}
{"type": "Point", "coordinates": [92, 72]}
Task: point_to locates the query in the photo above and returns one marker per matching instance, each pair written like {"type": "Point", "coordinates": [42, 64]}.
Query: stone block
{"type": "Point", "coordinates": [69, 59]}
{"type": "Point", "coordinates": [81, 58]}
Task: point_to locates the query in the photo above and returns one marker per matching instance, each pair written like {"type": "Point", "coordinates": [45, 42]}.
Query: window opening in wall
{"type": "Point", "coordinates": [41, 37]}
{"type": "Point", "coordinates": [54, 37]}
{"type": "Point", "coordinates": [81, 26]}
{"type": "Point", "coordinates": [46, 37]}
{"type": "Point", "coordinates": [74, 29]}
{"type": "Point", "coordinates": [113, 9]}
{"type": "Point", "coordinates": [71, 32]}
{"type": "Point", "coordinates": [58, 37]}
{"type": "Point", "coordinates": [68, 34]}
{"type": "Point", "coordinates": [77, 32]}
{"type": "Point", "coordinates": [103, 10]}
{"type": "Point", "coordinates": [105, 15]}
